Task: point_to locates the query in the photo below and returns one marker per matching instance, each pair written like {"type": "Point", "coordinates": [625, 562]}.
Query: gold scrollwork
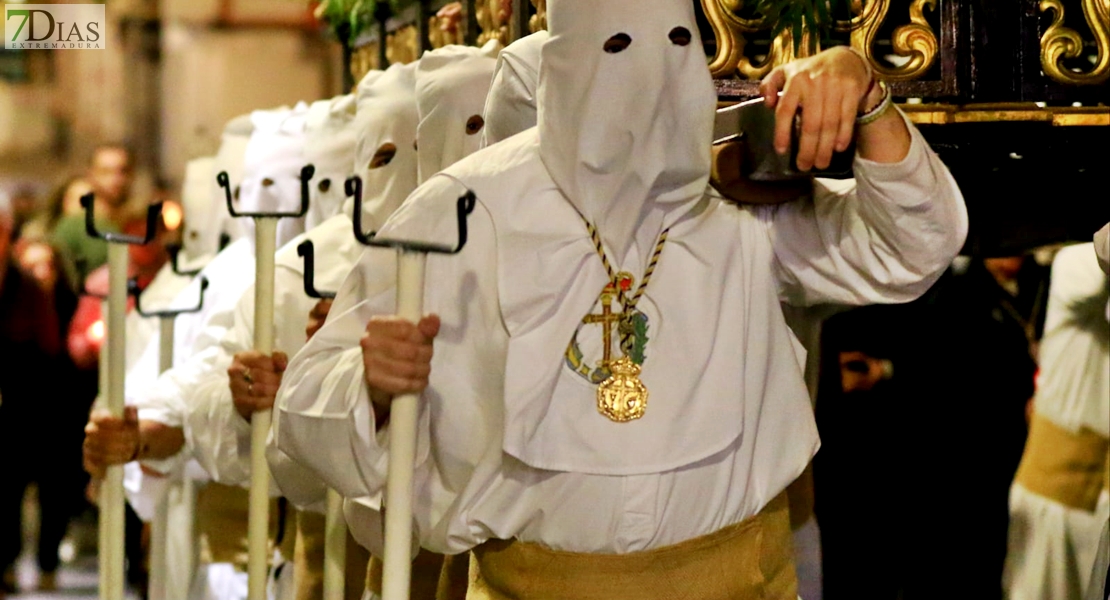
{"type": "Point", "coordinates": [493, 20]}
{"type": "Point", "coordinates": [402, 45]}
{"type": "Point", "coordinates": [363, 60]}
{"type": "Point", "coordinates": [1059, 42]}
{"type": "Point", "coordinates": [729, 29]}
{"type": "Point", "coordinates": [915, 40]}
{"type": "Point", "coordinates": [538, 21]}
{"type": "Point", "coordinates": [439, 37]}
{"type": "Point", "coordinates": [444, 27]}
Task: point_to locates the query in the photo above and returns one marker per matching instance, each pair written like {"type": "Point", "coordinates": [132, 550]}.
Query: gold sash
{"type": "Point", "coordinates": [750, 560]}
{"type": "Point", "coordinates": [430, 574]}
{"type": "Point", "coordinates": [309, 560]}
{"type": "Point", "coordinates": [1070, 468]}
{"type": "Point", "coordinates": [222, 521]}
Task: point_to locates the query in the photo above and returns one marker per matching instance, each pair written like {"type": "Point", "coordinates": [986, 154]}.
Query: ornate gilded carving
{"type": "Point", "coordinates": [538, 21]}
{"type": "Point", "coordinates": [402, 46]}
{"type": "Point", "coordinates": [729, 29]}
{"type": "Point", "coordinates": [363, 60]}
{"type": "Point", "coordinates": [915, 40]}
{"type": "Point", "coordinates": [444, 29]}
{"type": "Point", "coordinates": [1060, 42]}
{"type": "Point", "coordinates": [493, 20]}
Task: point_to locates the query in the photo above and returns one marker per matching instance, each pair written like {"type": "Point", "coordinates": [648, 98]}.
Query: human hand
{"type": "Point", "coordinates": [831, 88]}
{"type": "Point", "coordinates": [397, 356]}
{"type": "Point", "coordinates": [317, 316]}
{"type": "Point", "coordinates": [110, 440]}
{"type": "Point", "coordinates": [254, 379]}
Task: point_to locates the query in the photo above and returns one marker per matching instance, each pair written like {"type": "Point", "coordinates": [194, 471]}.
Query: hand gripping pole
{"type": "Point", "coordinates": [111, 556]}
{"type": "Point", "coordinates": [265, 239]}
{"type": "Point", "coordinates": [397, 563]}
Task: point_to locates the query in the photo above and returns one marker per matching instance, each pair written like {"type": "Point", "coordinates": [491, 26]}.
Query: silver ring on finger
{"type": "Point", "coordinates": [247, 376]}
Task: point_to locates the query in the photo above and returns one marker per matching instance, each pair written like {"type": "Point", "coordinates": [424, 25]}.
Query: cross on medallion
{"type": "Point", "coordinates": [607, 318]}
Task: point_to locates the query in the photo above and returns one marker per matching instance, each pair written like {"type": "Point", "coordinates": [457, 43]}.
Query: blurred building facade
{"type": "Point", "coordinates": [171, 74]}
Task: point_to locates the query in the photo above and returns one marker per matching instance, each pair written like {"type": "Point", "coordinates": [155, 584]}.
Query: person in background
{"type": "Point", "coordinates": [111, 175]}
{"type": "Point", "coordinates": [1059, 501]}
{"type": "Point", "coordinates": [921, 408]}
{"type": "Point", "coordinates": [24, 207]}
{"type": "Point", "coordinates": [39, 442]}
{"type": "Point", "coordinates": [63, 201]}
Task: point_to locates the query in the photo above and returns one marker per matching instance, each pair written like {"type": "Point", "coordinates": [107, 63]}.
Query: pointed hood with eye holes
{"type": "Point", "coordinates": [385, 154]}
{"type": "Point", "coordinates": [451, 87]}
{"type": "Point", "coordinates": [625, 113]}
{"type": "Point", "coordinates": [511, 103]}
{"type": "Point", "coordinates": [272, 169]}
{"type": "Point", "coordinates": [330, 148]}
{"type": "Point", "coordinates": [229, 159]}
{"type": "Point", "coordinates": [200, 239]}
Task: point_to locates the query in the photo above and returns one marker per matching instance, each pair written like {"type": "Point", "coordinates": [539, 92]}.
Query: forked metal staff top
{"type": "Point", "coordinates": [307, 172]}
{"type": "Point", "coordinates": [463, 207]}
{"type": "Point", "coordinates": [153, 212]}
{"type": "Point", "coordinates": [174, 251]}
{"type": "Point", "coordinates": [133, 290]}
{"type": "Point", "coordinates": [307, 251]}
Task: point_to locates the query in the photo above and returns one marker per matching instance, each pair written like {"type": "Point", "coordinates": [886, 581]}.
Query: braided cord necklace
{"type": "Point", "coordinates": [623, 397]}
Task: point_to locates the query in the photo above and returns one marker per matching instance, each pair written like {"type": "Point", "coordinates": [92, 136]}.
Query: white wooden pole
{"type": "Point", "coordinates": [159, 527]}
{"type": "Point", "coordinates": [259, 518]}
{"type": "Point", "coordinates": [335, 548]}
{"type": "Point", "coordinates": [102, 529]}
{"type": "Point", "coordinates": [397, 563]}
{"type": "Point", "coordinates": [165, 343]}
{"type": "Point", "coordinates": [184, 514]}
{"type": "Point", "coordinates": [156, 586]}
{"type": "Point", "coordinates": [111, 491]}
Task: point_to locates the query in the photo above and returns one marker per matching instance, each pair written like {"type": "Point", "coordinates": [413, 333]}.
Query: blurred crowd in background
{"type": "Point", "coordinates": [51, 283]}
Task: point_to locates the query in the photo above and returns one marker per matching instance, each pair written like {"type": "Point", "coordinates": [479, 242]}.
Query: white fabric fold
{"type": "Point", "coordinates": [451, 87]}
{"type": "Point", "coordinates": [511, 104]}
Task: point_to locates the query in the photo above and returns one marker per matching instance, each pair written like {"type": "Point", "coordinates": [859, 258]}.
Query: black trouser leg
{"type": "Point", "coordinates": [11, 520]}
{"type": "Point", "coordinates": [56, 504]}
{"type": "Point", "coordinates": [133, 547]}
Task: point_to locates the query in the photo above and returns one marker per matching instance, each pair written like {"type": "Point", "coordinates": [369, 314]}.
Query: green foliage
{"type": "Point", "coordinates": [799, 16]}
{"type": "Point", "coordinates": [347, 19]}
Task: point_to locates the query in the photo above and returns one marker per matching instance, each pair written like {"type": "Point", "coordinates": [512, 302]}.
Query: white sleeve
{"type": "Point", "coordinates": [167, 401]}
{"type": "Point", "coordinates": [884, 237]}
{"type": "Point", "coordinates": [144, 372]}
{"type": "Point", "coordinates": [298, 484]}
{"type": "Point", "coordinates": [215, 434]}
{"type": "Point", "coordinates": [323, 416]}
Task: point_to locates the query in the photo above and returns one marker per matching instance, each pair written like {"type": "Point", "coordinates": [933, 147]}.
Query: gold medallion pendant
{"type": "Point", "coordinates": [622, 397]}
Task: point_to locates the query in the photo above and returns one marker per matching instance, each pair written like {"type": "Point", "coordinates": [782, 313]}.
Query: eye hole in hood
{"type": "Point", "coordinates": [680, 36]}
{"type": "Point", "coordinates": [617, 43]}
{"type": "Point", "coordinates": [383, 156]}
{"type": "Point", "coordinates": [474, 124]}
